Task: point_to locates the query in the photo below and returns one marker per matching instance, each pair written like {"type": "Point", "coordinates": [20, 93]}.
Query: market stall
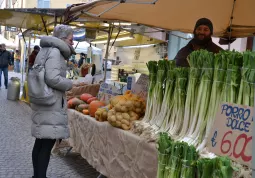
{"type": "Point", "coordinates": [182, 102]}
{"type": "Point", "coordinates": [176, 105]}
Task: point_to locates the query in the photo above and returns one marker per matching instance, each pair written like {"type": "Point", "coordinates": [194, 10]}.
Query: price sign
{"type": "Point", "coordinates": [231, 134]}
{"type": "Point", "coordinates": [106, 92]}
{"type": "Point", "coordinates": [141, 86]}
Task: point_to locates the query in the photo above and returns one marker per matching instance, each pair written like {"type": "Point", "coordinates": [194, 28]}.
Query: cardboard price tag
{"type": "Point", "coordinates": [141, 86]}
{"type": "Point", "coordinates": [106, 92]}
{"type": "Point", "coordinates": [231, 134]}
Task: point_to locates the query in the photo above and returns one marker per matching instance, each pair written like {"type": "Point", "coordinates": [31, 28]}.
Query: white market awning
{"type": "Point", "coordinates": [7, 43]}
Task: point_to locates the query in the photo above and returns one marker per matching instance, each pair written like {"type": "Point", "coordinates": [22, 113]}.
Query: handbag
{"type": "Point", "coordinates": [38, 91]}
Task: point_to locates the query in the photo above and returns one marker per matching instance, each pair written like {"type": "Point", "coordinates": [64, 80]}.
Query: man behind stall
{"type": "Point", "coordinates": [202, 40]}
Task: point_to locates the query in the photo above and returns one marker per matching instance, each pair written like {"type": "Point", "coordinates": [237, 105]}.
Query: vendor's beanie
{"type": "Point", "coordinates": [204, 21]}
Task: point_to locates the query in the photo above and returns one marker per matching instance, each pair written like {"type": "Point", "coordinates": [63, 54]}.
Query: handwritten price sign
{"type": "Point", "coordinates": [106, 92]}
{"type": "Point", "coordinates": [231, 134]}
{"type": "Point", "coordinates": [141, 86]}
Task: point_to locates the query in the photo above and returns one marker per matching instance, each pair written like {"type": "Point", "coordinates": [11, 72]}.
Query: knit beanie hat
{"type": "Point", "coordinates": [204, 21]}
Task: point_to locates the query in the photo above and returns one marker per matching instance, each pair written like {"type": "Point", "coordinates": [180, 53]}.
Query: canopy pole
{"type": "Point", "coordinates": [23, 37]}
{"type": "Point", "coordinates": [23, 61]}
{"type": "Point", "coordinates": [44, 24]}
{"type": "Point", "coordinates": [29, 50]}
{"type": "Point", "coordinates": [77, 45]}
{"type": "Point", "coordinates": [115, 39]}
{"type": "Point", "coordinates": [56, 20]}
{"type": "Point", "coordinates": [231, 23]}
{"type": "Point", "coordinates": [24, 57]}
{"type": "Point", "coordinates": [107, 50]}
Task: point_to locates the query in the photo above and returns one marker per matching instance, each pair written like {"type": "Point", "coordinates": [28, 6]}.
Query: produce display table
{"type": "Point", "coordinates": [111, 151]}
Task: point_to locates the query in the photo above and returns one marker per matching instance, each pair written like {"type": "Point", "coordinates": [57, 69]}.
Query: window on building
{"type": "Point", "coordinates": [43, 3]}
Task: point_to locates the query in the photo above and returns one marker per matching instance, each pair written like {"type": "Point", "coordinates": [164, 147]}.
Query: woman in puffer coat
{"type": "Point", "coordinates": [50, 122]}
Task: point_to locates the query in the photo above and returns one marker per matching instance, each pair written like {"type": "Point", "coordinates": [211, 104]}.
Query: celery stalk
{"type": "Point", "coordinates": [220, 65]}
{"type": "Point", "coordinates": [179, 100]}
{"type": "Point", "coordinates": [168, 96]}
{"type": "Point", "coordinates": [158, 91]}
{"type": "Point", "coordinates": [153, 68]}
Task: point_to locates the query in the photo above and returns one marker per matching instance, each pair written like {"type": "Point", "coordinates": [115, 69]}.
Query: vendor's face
{"type": "Point", "coordinates": [202, 33]}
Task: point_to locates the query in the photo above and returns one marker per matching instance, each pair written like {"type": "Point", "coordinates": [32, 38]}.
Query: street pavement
{"type": "Point", "coordinates": [16, 145]}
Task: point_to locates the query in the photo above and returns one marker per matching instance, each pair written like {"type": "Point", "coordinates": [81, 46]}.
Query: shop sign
{"type": "Point", "coordinates": [231, 134]}
{"type": "Point", "coordinates": [11, 29]}
{"type": "Point", "coordinates": [107, 91]}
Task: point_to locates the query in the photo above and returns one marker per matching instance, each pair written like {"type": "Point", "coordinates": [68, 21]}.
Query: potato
{"type": "Point", "coordinates": [113, 118]}
{"type": "Point", "coordinates": [124, 109]}
{"type": "Point", "coordinates": [132, 113]}
{"type": "Point", "coordinates": [126, 116]}
{"type": "Point", "coordinates": [119, 117]}
{"type": "Point", "coordinates": [111, 112]}
{"type": "Point", "coordinates": [136, 117]}
{"type": "Point", "coordinates": [125, 127]}
{"type": "Point", "coordinates": [129, 104]}
{"type": "Point", "coordinates": [137, 104]}
{"type": "Point", "coordinates": [118, 114]}
{"type": "Point", "coordinates": [123, 121]}
{"type": "Point", "coordinates": [133, 118]}
{"type": "Point", "coordinates": [118, 123]}
{"type": "Point", "coordinates": [117, 108]}
{"type": "Point", "coordinates": [104, 114]}
{"type": "Point", "coordinates": [138, 110]}
{"type": "Point", "coordinates": [122, 102]}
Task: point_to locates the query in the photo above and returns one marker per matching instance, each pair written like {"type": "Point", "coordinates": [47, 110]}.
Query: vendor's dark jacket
{"type": "Point", "coordinates": [5, 59]}
{"type": "Point", "coordinates": [181, 57]}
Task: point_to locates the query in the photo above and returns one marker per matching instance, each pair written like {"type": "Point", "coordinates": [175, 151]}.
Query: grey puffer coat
{"type": "Point", "coordinates": [51, 122]}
